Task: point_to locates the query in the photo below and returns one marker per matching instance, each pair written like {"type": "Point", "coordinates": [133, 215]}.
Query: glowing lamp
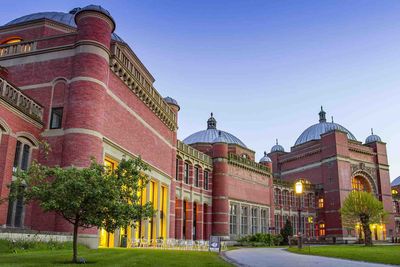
{"type": "Point", "coordinates": [299, 187]}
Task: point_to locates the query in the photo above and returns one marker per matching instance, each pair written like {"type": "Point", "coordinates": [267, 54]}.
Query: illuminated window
{"type": "Point", "coordinates": [320, 203]}
{"type": "Point", "coordinates": [360, 184]}
{"type": "Point", "coordinates": [322, 229]}
{"type": "Point", "coordinates": [12, 40]}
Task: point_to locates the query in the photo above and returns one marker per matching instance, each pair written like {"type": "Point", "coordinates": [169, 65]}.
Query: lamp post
{"type": "Point", "coordinates": [299, 191]}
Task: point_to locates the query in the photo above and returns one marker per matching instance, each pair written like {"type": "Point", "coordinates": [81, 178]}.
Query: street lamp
{"type": "Point", "coordinates": [299, 190]}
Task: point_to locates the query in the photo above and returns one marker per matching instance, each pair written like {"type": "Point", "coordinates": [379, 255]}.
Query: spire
{"type": "Point", "coordinates": [265, 153]}
{"type": "Point", "coordinates": [372, 131]}
{"type": "Point", "coordinates": [212, 123]}
{"type": "Point", "coordinates": [322, 114]}
{"type": "Point", "coordinates": [332, 119]}
{"type": "Point", "coordinates": [277, 141]}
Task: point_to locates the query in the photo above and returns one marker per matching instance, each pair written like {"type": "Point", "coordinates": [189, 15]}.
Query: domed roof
{"type": "Point", "coordinates": [277, 147]}
{"type": "Point", "coordinates": [372, 138]}
{"type": "Point", "coordinates": [220, 138]}
{"type": "Point", "coordinates": [211, 134]}
{"type": "Point", "coordinates": [396, 182]}
{"type": "Point", "coordinates": [170, 100]}
{"type": "Point", "coordinates": [64, 18]}
{"type": "Point", "coordinates": [314, 132]}
{"type": "Point", "coordinates": [265, 158]}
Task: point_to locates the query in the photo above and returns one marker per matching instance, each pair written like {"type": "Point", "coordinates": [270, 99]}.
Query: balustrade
{"type": "Point", "coordinates": [17, 48]}
{"type": "Point", "coordinates": [17, 99]}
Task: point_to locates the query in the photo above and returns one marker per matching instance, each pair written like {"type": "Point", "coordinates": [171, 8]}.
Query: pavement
{"type": "Point", "coordinates": [279, 257]}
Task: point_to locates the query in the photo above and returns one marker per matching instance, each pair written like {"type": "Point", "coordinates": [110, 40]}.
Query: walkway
{"type": "Point", "coordinates": [279, 257]}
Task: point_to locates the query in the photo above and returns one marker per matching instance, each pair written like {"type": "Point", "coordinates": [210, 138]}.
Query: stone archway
{"type": "Point", "coordinates": [368, 178]}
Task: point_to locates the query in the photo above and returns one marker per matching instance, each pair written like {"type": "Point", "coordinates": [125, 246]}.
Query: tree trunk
{"type": "Point", "coordinates": [75, 243]}
{"type": "Point", "coordinates": [366, 230]}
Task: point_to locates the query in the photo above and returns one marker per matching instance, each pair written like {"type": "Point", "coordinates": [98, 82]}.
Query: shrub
{"type": "Point", "coordinates": [261, 239]}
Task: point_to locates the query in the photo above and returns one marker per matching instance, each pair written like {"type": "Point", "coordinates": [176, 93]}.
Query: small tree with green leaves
{"type": "Point", "coordinates": [363, 208]}
{"type": "Point", "coordinates": [88, 197]}
{"type": "Point", "coordinates": [286, 232]}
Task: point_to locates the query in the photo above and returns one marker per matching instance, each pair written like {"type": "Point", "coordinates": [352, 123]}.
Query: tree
{"type": "Point", "coordinates": [363, 208]}
{"type": "Point", "coordinates": [88, 197]}
{"type": "Point", "coordinates": [286, 232]}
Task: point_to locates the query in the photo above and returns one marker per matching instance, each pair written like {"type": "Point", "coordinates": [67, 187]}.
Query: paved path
{"type": "Point", "coordinates": [279, 257]}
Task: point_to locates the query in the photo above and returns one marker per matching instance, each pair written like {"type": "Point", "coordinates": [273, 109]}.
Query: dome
{"type": "Point", "coordinates": [211, 134]}
{"type": "Point", "coordinates": [220, 138]}
{"type": "Point", "coordinates": [396, 182]}
{"type": "Point", "coordinates": [277, 147]}
{"type": "Point", "coordinates": [265, 158]}
{"type": "Point", "coordinates": [171, 101]}
{"type": "Point", "coordinates": [314, 132]}
{"type": "Point", "coordinates": [372, 138]}
{"type": "Point", "coordinates": [64, 18]}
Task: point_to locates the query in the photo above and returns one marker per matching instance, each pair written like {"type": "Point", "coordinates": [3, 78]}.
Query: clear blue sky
{"type": "Point", "coordinates": [265, 67]}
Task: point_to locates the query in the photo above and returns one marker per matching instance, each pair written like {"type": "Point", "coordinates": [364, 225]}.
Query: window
{"type": "Point", "coordinates": [292, 199]}
{"type": "Point", "coordinates": [277, 197]}
{"type": "Point", "coordinates": [206, 180]}
{"type": "Point", "coordinates": [244, 220]}
{"type": "Point", "coordinates": [254, 220]}
{"type": "Point", "coordinates": [186, 173]}
{"type": "Point", "coordinates": [233, 219]}
{"type": "Point", "coordinates": [194, 221]}
{"type": "Point", "coordinates": [184, 207]}
{"type": "Point", "coordinates": [56, 118]}
{"type": "Point", "coordinates": [322, 229]}
{"type": "Point", "coordinates": [264, 221]}
{"type": "Point", "coordinates": [285, 198]}
{"type": "Point", "coordinates": [15, 214]}
{"type": "Point", "coordinates": [22, 156]}
{"type": "Point", "coordinates": [196, 176]}
{"type": "Point", "coordinates": [360, 184]}
{"type": "Point", "coordinates": [277, 223]}
{"type": "Point", "coordinates": [177, 170]}
{"type": "Point", "coordinates": [320, 203]}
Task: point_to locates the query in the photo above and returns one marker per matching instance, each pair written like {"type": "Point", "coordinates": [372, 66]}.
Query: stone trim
{"type": "Point", "coordinates": [248, 165]}
{"type": "Point", "coordinates": [187, 152]}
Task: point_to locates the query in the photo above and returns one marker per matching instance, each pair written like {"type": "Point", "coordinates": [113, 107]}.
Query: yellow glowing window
{"type": "Point", "coordinates": [12, 40]}
{"type": "Point", "coordinates": [321, 229]}
{"type": "Point", "coordinates": [320, 203]}
{"type": "Point", "coordinates": [360, 184]}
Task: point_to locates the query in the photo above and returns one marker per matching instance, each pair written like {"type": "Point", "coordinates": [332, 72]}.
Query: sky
{"type": "Point", "coordinates": [264, 68]}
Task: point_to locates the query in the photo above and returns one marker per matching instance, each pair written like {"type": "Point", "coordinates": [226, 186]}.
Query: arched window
{"type": "Point", "coordinates": [359, 183]}
{"type": "Point", "coordinates": [11, 40]}
{"type": "Point", "coordinates": [22, 156]}
{"type": "Point", "coordinates": [186, 172]}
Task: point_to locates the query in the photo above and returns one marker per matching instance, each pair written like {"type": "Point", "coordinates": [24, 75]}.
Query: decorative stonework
{"type": "Point", "coordinates": [196, 157]}
{"type": "Point", "coordinates": [368, 173]}
{"type": "Point", "coordinates": [18, 100]}
{"type": "Point", "coordinates": [124, 67]}
{"type": "Point", "coordinates": [248, 164]}
{"type": "Point", "coordinates": [17, 48]}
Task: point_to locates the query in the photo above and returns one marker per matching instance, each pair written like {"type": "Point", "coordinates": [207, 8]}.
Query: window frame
{"type": "Point", "coordinates": [53, 111]}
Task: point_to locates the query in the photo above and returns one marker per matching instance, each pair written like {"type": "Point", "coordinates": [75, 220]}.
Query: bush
{"type": "Point", "coordinates": [261, 239]}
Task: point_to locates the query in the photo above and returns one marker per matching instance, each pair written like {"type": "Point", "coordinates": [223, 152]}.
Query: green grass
{"type": "Point", "coordinates": [61, 256]}
{"type": "Point", "coordinates": [377, 253]}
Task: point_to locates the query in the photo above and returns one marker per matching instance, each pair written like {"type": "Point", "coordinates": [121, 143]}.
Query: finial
{"type": "Point", "coordinates": [211, 122]}
{"type": "Point", "coordinates": [372, 131]}
{"type": "Point", "coordinates": [276, 140]}
{"type": "Point", "coordinates": [322, 114]}
{"type": "Point", "coordinates": [219, 133]}
{"type": "Point", "coordinates": [265, 153]}
{"type": "Point", "coordinates": [332, 119]}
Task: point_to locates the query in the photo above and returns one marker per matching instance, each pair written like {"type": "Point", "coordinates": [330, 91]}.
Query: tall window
{"type": "Point", "coordinates": [292, 199]}
{"type": "Point", "coordinates": [184, 207]}
{"type": "Point", "coordinates": [177, 170]}
{"type": "Point", "coordinates": [186, 173]}
{"type": "Point", "coordinates": [284, 197]}
{"type": "Point", "coordinates": [264, 221]}
{"type": "Point", "coordinates": [194, 221]}
{"type": "Point", "coordinates": [22, 156]}
{"type": "Point", "coordinates": [254, 220]}
{"type": "Point", "coordinates": [321, 229]}
{"type": "Point", "coordinates": [244, 220]}
{"type": "Point", "coordinates": [320, 203]}
{"type": "Point", "coordinates": [277, 223]}
{"type": "Point", "coordinates": [233, 219]}
{"type": "Point", "coordinates": [56, 118]}
{"type": "Point", "coordinates": [196, 176]}
{"type": "Point", "coordinates": [206, 181]}
{"type": "Point", "coordinates": [15, 214]}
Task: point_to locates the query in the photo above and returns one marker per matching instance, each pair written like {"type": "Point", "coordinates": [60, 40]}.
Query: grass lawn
{"type": "Point", "coordinates": [377, 253]}
{"type": "Point", "coordinates": [112, 257]}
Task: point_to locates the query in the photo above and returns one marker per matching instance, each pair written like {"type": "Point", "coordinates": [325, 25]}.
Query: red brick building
{"type": "Point", "coordinates": [328, 156]}
{"type": "Point", "coordinates": [69, 80]}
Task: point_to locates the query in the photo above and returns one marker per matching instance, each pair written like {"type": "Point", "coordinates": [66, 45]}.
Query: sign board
{"type": "Point", "coordinates": [215, 244]}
